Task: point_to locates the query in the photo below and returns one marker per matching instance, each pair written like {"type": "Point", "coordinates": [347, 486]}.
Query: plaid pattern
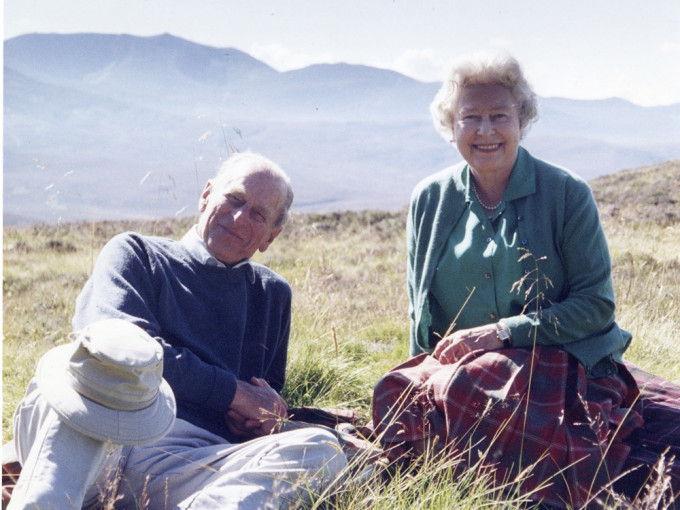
{"type": "Point", "coordinates": [10, 476]}
{"type": "Point", "coordinates": [514, 409]}
{"type": "Point", "coordinates": [660, 434]}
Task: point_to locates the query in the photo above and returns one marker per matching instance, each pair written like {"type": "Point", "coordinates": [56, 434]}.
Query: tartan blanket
{"type": "Point", "coordinates": [530, 419]}
{"type": "Point", "coordinates": [660, 434]}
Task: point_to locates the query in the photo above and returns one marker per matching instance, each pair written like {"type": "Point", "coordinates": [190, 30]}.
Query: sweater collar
{"type": "Point", "coordinates": [523, 177]}
{"type": "Point", "coordinates": [522, 180]}
{"type": "Point", "coordinates": [195, 245]}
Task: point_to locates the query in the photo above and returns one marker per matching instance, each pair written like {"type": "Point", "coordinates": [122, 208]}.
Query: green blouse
{"type": "Point", "coordinates": [480, 264]}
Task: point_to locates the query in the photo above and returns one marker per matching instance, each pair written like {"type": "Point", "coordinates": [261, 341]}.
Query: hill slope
{"type": "Point", "coordinates": [644, 196]}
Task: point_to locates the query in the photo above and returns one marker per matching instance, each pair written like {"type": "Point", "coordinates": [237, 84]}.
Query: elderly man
{"type": "Point", "coordinates": [223, 322]}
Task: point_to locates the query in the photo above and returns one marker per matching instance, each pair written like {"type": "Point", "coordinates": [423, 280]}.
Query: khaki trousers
{"type": "Point", "coordinates": [190, 468]}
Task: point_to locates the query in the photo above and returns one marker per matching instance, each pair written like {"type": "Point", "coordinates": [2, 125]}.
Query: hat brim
{"type": "Point", "coordinates": [95, 420]}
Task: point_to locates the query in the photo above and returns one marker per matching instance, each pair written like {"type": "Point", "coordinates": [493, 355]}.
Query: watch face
{"type": "Point", "coordinates": [503, 336]}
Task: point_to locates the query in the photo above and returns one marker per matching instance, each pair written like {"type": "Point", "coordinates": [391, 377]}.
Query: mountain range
{"type": "Point", "coordinates": [117, 126]}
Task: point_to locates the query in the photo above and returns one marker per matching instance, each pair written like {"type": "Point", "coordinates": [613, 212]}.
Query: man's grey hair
{"type": "Point", "coordinates": [257, 162]}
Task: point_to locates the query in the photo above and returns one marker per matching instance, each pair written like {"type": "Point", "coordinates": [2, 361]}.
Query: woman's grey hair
{"type": "Point", "coordinates": [257, 162]}
{"type": "Point", "coordinates": [483, 69]}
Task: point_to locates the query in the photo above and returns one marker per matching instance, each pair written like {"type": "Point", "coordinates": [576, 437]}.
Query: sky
{"type": "Point", "coordinates": [580, 49]}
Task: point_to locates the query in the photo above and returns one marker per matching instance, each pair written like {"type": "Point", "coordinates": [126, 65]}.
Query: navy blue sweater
{"type": "Point", "coordinates": [216, 324]}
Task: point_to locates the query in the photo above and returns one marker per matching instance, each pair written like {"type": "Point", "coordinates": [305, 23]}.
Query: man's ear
{"type": "Point", "coordinates": [274, 234]}
{"type": "Point", "coordinates": [203, 201]}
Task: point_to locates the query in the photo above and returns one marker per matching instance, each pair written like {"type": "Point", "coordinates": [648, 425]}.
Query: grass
{"type": "Point", "coordinates": [640, 212]}
{"type": "Point", "coordinates": [350, 323]}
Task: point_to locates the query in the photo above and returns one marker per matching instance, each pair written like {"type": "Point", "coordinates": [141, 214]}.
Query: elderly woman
{"type": "Point", "coordinates": [511, 295]}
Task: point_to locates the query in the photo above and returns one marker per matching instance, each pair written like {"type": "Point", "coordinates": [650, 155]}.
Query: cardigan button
{"type": "Point", "coordinates": [487, 276]}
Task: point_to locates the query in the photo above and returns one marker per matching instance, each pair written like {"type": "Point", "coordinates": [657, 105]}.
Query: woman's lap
{"type": "Point", "coordinates": [538, 407]}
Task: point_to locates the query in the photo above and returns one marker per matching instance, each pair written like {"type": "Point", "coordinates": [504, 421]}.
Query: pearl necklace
{"type": "Point", "coordinates": [485, 206]}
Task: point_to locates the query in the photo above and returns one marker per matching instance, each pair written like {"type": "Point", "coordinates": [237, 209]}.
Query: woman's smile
{"type": "Point", "coordinates": [487, 148]}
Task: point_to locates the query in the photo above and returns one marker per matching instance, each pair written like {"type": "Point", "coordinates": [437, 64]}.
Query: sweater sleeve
{"type": "Point", "coordinates": [122, 286]}
{"type": "Point", "coordinates": [587, 308]}
{"type": "Point", "coordinates": [415, 347]}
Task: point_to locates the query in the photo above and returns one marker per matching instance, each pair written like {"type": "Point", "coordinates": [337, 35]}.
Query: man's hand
{"type": "Point", "coordinates": [459, 343]}
{"type": "Point", "coordinates": [257, 410]}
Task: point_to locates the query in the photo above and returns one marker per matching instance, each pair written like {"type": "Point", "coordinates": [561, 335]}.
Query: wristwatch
{"type": "Point", "coordinates": [503, 335]}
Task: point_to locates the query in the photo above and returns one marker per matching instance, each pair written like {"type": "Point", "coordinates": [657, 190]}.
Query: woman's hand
{"type": "Point", "coordinates": [459, 343]}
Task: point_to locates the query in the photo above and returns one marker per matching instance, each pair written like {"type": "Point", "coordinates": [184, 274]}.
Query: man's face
{"type": "Point", "coordinates": [238, 214]}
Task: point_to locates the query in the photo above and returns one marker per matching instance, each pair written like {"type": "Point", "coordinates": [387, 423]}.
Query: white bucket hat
{"type": "Point", "coordinates": [108, 384]}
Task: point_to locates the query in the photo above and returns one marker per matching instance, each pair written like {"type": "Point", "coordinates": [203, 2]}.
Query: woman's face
{"type": "Point", "coordinates": [486, 128]}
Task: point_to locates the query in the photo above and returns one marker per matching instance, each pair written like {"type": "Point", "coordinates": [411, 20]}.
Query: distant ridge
{"type": "Point", "coordinates": [117, 126]}
{"type": "Point", "coordinates": [647, 195]}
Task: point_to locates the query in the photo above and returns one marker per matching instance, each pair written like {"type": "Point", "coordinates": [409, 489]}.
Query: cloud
{"type": "Point", "coordinates": [421, 64]}
{"type": "Point", "coordinates": [499, 43]}
{"type": "Point", "coordinates": [670, 48]}
{"type": "Point", "coordinates": [427, 64]}
{"type": "Point", "coordinates": [281, 58]}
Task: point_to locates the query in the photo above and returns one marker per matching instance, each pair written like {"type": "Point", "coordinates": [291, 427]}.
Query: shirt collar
{"type": "Point", "coordinates": [198, 250]}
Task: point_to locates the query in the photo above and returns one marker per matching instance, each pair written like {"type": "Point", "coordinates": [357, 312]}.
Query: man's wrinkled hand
{"type": "Point", "coordinates": [256, 410]}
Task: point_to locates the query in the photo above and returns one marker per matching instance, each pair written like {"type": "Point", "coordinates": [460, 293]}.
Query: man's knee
{"type": "Point", "coordinates": [320, 448]}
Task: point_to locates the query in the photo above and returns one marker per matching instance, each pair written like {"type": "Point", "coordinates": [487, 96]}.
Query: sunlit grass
{"type": "Point", "coordinates": [350, 322]}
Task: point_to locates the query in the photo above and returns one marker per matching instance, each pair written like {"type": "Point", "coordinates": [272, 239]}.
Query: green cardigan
{"type": "Point", "coordinates": [559, 226]}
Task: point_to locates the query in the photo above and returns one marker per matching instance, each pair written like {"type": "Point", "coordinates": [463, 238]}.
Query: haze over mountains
{"type": "Point", "coordinates": [116, 126]}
